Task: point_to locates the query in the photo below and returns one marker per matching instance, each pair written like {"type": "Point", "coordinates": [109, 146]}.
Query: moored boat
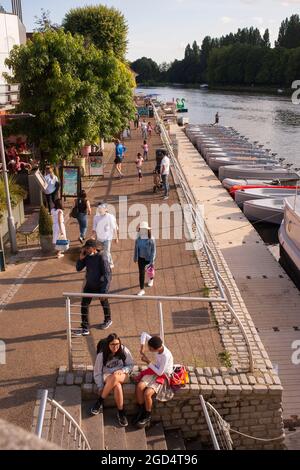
{"type": "Point", "coordinates": [258, 172]}
{"type": "Point", "coordinates": [289, 238]}
{"type": "Point", "coordinates": [244, 195]}
{"type": "Point", "coordinates": [265, 210]}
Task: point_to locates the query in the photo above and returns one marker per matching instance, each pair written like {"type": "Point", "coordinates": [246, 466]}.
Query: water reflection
{"type": "Point", "coordinates": [288, 118]}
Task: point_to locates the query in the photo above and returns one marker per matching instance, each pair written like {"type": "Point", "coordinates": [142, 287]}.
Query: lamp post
{"type": "Point", "coordinates": [10, 218]}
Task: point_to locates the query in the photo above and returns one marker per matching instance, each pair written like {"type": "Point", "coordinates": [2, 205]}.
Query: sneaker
{"type": "Point", "coordinates": [123, 421]}
{"type": "Point", "coordinates": [81, 240]}
{"type": "Point", "coordinates": [97, 408]}
{"type": "Point", "coordinates": [166, 198]}
{"type": "Point", "coordinates": [144, 421]}
{"type": "Point", "coordinates": [81, 332]}
{"type": "Point", "coordinates": [138, 416]}
{"type": "Point", "coordinates": [141, 293]}
{"type": "Point", "coordinates": [106, 325]}
{"type": "Point", "coordinates": [151, 283]}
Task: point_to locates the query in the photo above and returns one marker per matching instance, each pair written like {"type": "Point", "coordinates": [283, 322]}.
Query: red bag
{"type": "Point", "coordinates": [180, 377]}
{"type": "Point", "coordinates": [159, 380]}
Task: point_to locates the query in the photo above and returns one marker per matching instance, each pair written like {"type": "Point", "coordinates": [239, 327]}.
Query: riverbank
{"type": "Point", "coordinates": [271, 91]}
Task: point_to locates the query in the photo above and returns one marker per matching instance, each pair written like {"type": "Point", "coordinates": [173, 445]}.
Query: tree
{"type": "Point", "coordinates": [44, 23]}
{"type": "Point", "coordinates": [147, 70]}
{"type": "Point", "coordinates": [289, 33]}
{"type": "Point", "coordinates": [105, 27]}
{"type": "Point", "coordinates": [266, 38]}
{"type": "Point", "coordinates": [74, 90]}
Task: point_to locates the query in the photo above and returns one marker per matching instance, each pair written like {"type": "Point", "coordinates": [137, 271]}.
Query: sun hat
{"type": "Point", "coordinates": [102, 205]}
{"type": "Point", "coordinates": [144, 225]}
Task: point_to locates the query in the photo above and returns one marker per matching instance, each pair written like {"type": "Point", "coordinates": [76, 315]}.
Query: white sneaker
{"type": "Point", "coordinates": [141, 293]}
{"type": "Point", "coordinates": [151, 283]}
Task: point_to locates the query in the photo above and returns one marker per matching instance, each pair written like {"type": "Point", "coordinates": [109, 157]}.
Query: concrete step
{"type": "Point", "coordinates": [156, 439]}
{"type": "Point", "coordinates": [114, 434]}
{"type": "Point", "coordinates": [136, 438]}
{"type": "Point", "coordinates": [174, 440]}
{"type": "Point", "coordinates": [93, 426]}
{"type": "Point", "coordinates": [70, 399]}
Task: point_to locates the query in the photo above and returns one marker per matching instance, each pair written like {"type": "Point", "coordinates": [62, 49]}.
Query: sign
{"type": "Point", "coordinates": [96, 167]}
{"type": "Point", "coordinates": [71, 181]}
{"type": "Point", "coordinates": [41, 180]}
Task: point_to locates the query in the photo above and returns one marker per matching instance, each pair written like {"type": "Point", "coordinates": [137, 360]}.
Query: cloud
{"type": "Point", "coordinates": [227, 19]}
{"type": "Point", "coordinates": [258, 19]}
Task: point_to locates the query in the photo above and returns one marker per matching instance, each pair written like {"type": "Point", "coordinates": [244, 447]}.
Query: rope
{"type": "Point", "coordinates": [226, 427]}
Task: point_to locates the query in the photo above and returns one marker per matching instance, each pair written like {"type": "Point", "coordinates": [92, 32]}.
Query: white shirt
{"type": "Point", "coordinates": [112, 366]}
{"type": "Point", "coordinates": [164, 362]}
{"type": "Point", "coordinates": [105, 227]}
{"type": "Point", "coordinates": [165, 163]}
{"type": "Point", "coordinates": [51, 182]}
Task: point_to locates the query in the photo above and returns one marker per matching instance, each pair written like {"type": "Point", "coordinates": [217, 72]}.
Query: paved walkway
{"type": "Point", "coordinates": [271, 298]}
{"type": "Point", "coordinates": [33, 322]}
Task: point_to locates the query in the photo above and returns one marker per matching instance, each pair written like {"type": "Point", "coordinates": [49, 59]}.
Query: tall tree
{"type": "Point", "coordinates": [105, 27]}
{"type": "Point", "coordinates": [147, 70]}
{"type": "Point", "coordinates": [289, 33]}
{"type": "Point", "coordinates": [44, 22]}
{"type": "Point", "coordinates": [74, 90]}
{"type": "Point", "coordinates": [266, 38]}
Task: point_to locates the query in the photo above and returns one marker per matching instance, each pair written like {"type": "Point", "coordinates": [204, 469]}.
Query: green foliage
{"type": "Point", "coordinates": [45, 222]}
{"type": "Point", "coordinates": [16, 194]}
{"type": "Point", "coordinates": [225, 359]}
{"type": "Point", "coordinates": [44, 23]}
{"type": "Point", "coordinates": [74, 90]}
{"type": "Point", "coordinates": [289, 33]}
{"type": "Point", "coordinates": [146, 69]}
{"type": "Point", "coordinates": [103, 26]}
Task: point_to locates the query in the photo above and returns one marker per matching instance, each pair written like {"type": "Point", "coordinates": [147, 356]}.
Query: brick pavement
{"type": "Point", "coordinates": [33, 323]}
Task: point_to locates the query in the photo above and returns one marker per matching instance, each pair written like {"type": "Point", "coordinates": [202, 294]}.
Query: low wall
{"type": "Point", "coordinates": [250, 403]}
{"type": "Point", "coordinates": [19, 216]}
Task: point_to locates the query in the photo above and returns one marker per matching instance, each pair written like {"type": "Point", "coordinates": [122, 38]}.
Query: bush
{"type": "Point", "coordinates": [17, 193]}
{"type": "Point", "coordinates": [45, 222]}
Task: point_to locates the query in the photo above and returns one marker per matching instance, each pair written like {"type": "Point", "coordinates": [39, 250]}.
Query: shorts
{"type": "Point", "coordinates": [118, 160]}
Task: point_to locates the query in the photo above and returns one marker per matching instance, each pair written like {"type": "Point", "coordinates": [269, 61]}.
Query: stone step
{"type": "Point", "coordinates": [93, 426]}
{"type": "Point", "coordinates": [174, 440]}
{"type": "Point", "coordinates": [136, 438]}
{"type": "Point", "coordinates": [114, 435]}
{"type": "Point", "coordinates": [156, 439]}
{"type": "Point", "coordinates": [70, 399]}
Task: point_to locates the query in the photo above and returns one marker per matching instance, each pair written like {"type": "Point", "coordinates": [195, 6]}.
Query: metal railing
{"type": "Point", "coordinates": [61, 428]}
{"type": "Point", "coordinates": [76, 348]}
{"type": "Point", "coordinates": [203, 233]}
{"type": "Point", "coordinates": [218, 428]}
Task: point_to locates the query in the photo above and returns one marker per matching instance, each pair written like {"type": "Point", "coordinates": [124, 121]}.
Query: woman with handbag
{"type": "Point", "coordinates": [81, 211]}
{"type": "Point", "coordinates": [144, 255]}
{"type": "Point", "coordinates": [59, 229]}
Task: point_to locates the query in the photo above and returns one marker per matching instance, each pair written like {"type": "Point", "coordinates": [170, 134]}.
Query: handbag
{"type": "Point", "coordinates": [74, 212]}
{"type": "Point", "coordinates": [180, 377]}
{"type": "Point", "coordinates": [150, 270]}
{"type": "Point", "coordinates": [62, 245]}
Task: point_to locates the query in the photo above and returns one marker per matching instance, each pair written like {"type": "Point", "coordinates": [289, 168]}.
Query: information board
{"type": "Point", "coordinates": [96, 167]}
{"type": "Point", "coordinates": [71, 181]}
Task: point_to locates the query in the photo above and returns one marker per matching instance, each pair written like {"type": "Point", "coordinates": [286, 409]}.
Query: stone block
{"type": "Point", "coordinates": [247, 389]}
{"type": "Point", "coordinates": [89, 378]}
{"type": "Point", "coordinates": [206, 390]}
{"type": "Point", "coordinates": [78, 380]}
{"type": "Point", "coordinates": [61, 380]}
{"type": "Point", "coordinates": [70, 379]}
{"type": "Point", "coordinates": [90, 369]}
{"type": "Point", "coordinates": [220, 390]}
{"type": "Point", "coordinates": [276, 390]}
{"type": "Point", "coordinates": [62, 370]}
{"type": "Point", "coordinates": [234, 389]}
{"type": "Point", "coordinates": [260, 389]}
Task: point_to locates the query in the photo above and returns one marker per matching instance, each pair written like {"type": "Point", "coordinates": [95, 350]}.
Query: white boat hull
{"type": "Point", "coordinates": [265, 210]}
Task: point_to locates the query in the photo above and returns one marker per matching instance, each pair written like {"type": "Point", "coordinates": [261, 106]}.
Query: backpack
{"type": "Point", "coordinates": [101, 347]}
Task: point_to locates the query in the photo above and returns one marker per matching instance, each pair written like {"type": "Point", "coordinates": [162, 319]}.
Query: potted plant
{"type": "Point", "coordinates": [45, 230]}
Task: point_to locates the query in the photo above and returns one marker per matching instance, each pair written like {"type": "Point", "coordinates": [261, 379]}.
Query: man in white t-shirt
{"type": "Point", "coordinates": [105, 229]}
{"type": "Point", "coordinates": [165, 173]}
{"type": "Point", "coordinates": [52, 187]}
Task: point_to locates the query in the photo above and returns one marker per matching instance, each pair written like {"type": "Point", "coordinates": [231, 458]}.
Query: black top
{"type": "Point", "coordinates": [98, 272]}
{"type": "Point", "coordinates": [82, 206]}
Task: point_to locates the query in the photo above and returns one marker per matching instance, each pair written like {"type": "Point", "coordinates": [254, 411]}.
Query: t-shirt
{"type": "Point", "coordinates": [51, 184]}
{"type": "Point", "coordinates": [105, 227]}
{"type": "Point", "coordinates": [146, 148]}
{"type": "Point", "coordinates": [166, 164]}
{"type": "Point", "coordinates": [164, 362]}
{"type": "Point", "coordinates": [139, 162]}
{"type": "Point", "coordinates": [120, 150]}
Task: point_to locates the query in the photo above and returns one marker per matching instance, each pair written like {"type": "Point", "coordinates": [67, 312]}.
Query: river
{"type": "Point", "coordinates": [272, 120]}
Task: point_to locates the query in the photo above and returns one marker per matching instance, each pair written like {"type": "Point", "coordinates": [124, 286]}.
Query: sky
{"type": "Point", "coordinates": [161, 29]}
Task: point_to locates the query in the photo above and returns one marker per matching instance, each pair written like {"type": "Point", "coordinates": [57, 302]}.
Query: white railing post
{"type": "Point", "coordinates": [42, 412]}
{"type": "Point", "coordinates": [209, 424]}
{"type": "Point", "coordinates": [69, 333]}
{"type": "Point", "coordinates": [161, 321]}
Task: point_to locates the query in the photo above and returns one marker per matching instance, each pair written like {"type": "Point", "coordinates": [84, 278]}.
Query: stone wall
{"type": "Point", "coordinates": [250, 403]}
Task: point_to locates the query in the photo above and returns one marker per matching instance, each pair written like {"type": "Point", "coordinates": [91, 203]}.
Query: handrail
{"type": "Point", "coordinates": [57, 407]}
{"type": "Point", "coordinates": [209, 424]}
{"type": "Point", "coordinates": [153, 298]}
{"type": "Point", "coordinates": [224, 426]}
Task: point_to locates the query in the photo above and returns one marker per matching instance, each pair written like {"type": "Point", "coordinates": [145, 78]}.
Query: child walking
{"type": "Point", "coordinates": [145, 148]}
{"type": "Point", "coordinates": [139, 166]}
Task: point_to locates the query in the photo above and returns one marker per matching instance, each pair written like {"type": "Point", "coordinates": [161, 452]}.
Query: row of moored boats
{"type": "Point", "coordinates": [265, 188]}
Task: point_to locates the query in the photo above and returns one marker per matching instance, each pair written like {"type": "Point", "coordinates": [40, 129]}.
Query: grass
{"type": "Point", "coordinates": [225, 359]}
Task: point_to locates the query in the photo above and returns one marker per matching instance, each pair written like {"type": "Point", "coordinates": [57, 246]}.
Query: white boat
{"type": "Point", "coordinates": [228, 183]}
{"type": "Point", "coordinates": [216, 162]}
{"type": "Point", "coordinates": [265, 210]}
{"type": "Point", "coordinates": [289, 238]}
{"type": "Point", "coordinates": [244, 195]}
{"type": "Point", "coordinates": [262, 172]}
